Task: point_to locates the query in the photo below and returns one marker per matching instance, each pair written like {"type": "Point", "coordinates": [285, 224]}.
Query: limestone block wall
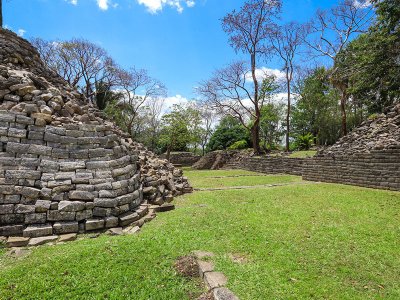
{"type": "Point", "coordinates": [378, 169]}
{"type": "Point", "coordinates": [64, 179]}
{"type": "Point", "coordinates": [271, 165]}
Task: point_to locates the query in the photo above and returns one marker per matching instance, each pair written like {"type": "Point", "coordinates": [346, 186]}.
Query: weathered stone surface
{"type": "Point", "coordinates": [128, 218]}
{"type": "Point", "coordinates": [215, 279]}
{"type": "Point", "coordinates": [224, 293]}
{"type": "Point", "coordinates": [42, 240]}
{"type": "Point", "coordinates": [115, 231]}
{"type": "Point", "coordinates": [72, 206]}
{"type": "Point", "coordinates": [65, 227]}
{"type": "Point", "coordinates": [111, 222]}
{"type": "Point", "coordinates": [94, 224]}
{"type": "Point", "coordinates": [12, 230]}
{"type": "Point", "coordinates": [81, 195]}
{"type": "Point", "coordinates": [42, 206]}
{"type": "Point", "coordinates": [17, 242]}
{"type": "Point", "coordinates": [164, 207]}
{"type": "Point", "coordinates": [205, 266]}
{"type": "Point", "coordinates": [38, 231]}
{"type": "Point", "coordinates": [67, 237]}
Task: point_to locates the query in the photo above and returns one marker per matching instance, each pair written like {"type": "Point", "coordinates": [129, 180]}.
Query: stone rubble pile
{"type": "Point", "coordinates": [381, 132]}
{"type": "Point", "coordinates": [63, 167]}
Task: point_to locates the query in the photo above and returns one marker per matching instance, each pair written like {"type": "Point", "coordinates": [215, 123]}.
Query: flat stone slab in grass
{"type": "Point", "coordinates": [67, 237]}
{"type": "Point", "coordinates": [223, 293]}
{"type": "Point", "coordinates": [115, 231]}
{"type": "Point", "coordinates": [42, 240]}
{"type": "Point", "coordinates": [205, 266]}
{"type": "Point", "coordinates": [165, 207]}
{"type": "Point", "coordinates": [215, 279]}
{"type": "Point", "coordinates": [19, 252]}
{"type": "Point", "coordinates": [17, 241]}
{"type": "Point", "coordinates": [133, 230]}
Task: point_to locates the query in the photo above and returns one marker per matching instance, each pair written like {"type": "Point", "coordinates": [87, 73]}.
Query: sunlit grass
{"type": "Point", "coordinates": [320, 241]}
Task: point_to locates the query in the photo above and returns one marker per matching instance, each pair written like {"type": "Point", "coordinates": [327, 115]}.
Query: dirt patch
{"type": "Point", "coordinates": [206, 296]}
{"type": "Point", "coordinates": [187, 266]}
{"type": "Point", "coordinates": [239, 258]}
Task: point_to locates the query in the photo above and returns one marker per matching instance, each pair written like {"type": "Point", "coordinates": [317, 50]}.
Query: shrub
{"type": "Point", "coordinates": [304, 142]}
{"type": "Point", "coordinates": [239, 145]}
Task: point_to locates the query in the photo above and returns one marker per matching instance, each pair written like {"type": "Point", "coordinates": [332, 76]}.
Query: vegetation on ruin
{"type": "Point", "coordinates": [303, 241]}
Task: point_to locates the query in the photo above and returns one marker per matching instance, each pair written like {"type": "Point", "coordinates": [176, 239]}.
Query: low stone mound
{"type": "Point", "coordinates": [214, 160]}
{"type": "Point", "coordinates": [63, 167]}
{"type": "Point", "coordinates": [381, 132]}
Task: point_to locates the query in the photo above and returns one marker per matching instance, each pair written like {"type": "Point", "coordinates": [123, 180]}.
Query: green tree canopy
{"type": "Point", "coordinates": [229, 131]}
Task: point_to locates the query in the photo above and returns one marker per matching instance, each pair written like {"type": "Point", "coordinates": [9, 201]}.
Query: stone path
{"type": "Point", "coordinates": [215, 281]}
{"type": "Point", "coordinates": [253, 186]}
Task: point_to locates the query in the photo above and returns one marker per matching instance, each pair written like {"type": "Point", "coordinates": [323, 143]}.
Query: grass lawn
{"type": "Point", "coordinates": [320, 241]}
{"type": "Point", "coordinates": [303, 154]}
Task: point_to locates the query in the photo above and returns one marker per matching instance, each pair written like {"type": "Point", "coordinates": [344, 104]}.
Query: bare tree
{"type": "Point", "coordinates": [286, 41]}
{"type": "Point", "coordinates": [229, 92]}
{"type": "Point", "coordinates": [330, 31]}
{"type": "Point", "coordinates": [248, 30]}
{"type": "Point", "coordinates": [138, 88]}
{"type": "Point", "coordinates": [208, 119]}
{"type": "Point", "coordinates": [80, 62]}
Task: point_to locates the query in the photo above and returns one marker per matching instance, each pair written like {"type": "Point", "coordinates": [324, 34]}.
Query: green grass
{"type": "Point", "coordinates": [303, 154]}
{"type": "Point", "coordinates": [317, 241]}
{"type": "Point", "coordinates": [235, 178]}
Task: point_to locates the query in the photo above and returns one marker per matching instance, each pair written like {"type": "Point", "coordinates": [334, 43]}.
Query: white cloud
{"type": "Point", "coordinates": [73, 2]}
{"type": "Point", "coordinates": [21, 32]}
{"type": "Point", "coordinates": [103, 4]}
{"type": "Point", "coordinates": [262, 72]}
{"type": "Point", "coordinates": [170, 101]}
{"type": "Point", "coordinates": [362, 3]}
{"type": "Point", "coordinates": [155, 6]}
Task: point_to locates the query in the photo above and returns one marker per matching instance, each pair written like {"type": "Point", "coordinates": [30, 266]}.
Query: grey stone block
{"type": "Point", "coordinates": [94, 224]}
{"type": "Point", "coordinates": [38, 230]}
{"type": "Point", "coordinates": [65, 227]}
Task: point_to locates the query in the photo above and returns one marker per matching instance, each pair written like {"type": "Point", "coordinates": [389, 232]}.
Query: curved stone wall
{"type": "Point", "coordinates": [69, 178]}
{"type": "Point", "coordinates": [64, 168]}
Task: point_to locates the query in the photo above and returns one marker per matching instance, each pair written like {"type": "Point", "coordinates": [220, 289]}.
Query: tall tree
{"type": "Point", "coordinates": [248, 30]}
{"type": "Point", "coordinates": [286, 42]}
{"type": "Point", "coordinates": [1, 13]}
{"type": "Point", "coordinates": [330, 31]}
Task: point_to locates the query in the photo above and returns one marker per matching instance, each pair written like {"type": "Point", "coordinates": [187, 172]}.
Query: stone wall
{"type": "Point", "coordinates": [65, 168]}
{"type": "Point", "coordinates": [68, 178]}
{"type": "Point", "coordinates": [379, 169]}
{"type": "Point", "coordinates": [185, 159]}
{"type": "Point", "coordinates": [270, 165]}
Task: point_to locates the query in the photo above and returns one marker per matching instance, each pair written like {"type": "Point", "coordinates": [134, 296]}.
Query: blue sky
{"type": "Point", "coordinates": [179, 42]}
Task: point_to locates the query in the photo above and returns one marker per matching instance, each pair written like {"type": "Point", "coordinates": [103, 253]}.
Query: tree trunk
{"type": "Point", "coordinates": [343, 101]}
{"type": "Point", "coordinates": [168, 153]}
{"type": "Point", "coordinates": [255, 130]}
{"type": "Point", "coordinates": [1, 14]}
{"type": "Point", "coordinates": [288, 116]}
{"type": "Point", "coordinates": [255, 137]}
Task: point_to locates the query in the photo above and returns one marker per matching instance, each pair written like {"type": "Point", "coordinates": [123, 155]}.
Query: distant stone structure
{"type": "Point", "coordinates": [369, 156]}
{"type": "Point", "coordinates": [63, 167]}
{"type": "Point", "coordinates": [185, 159]}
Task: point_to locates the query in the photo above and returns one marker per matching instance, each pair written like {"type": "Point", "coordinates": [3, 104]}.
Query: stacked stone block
{"type": "Point", "coordinates": [68, 178]}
